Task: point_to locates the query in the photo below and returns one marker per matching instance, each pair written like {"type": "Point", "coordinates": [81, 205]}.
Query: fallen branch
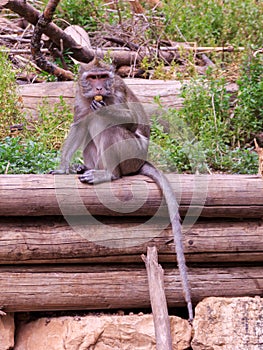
{"type": "Point", "coordinates": [201, 49]}
{"type": "Point", "coordinates": [158, 300]}
{"type": "Point", "coordinates": [82, 54]}
{"type": "Point", "coordinates": [37, 54]}
{"type": "Point", "coordinates": [51, 30]}
{"type": "Point", "coordinates": [20, 51]}
{"type": "Point", "coordinates": [14, 38]}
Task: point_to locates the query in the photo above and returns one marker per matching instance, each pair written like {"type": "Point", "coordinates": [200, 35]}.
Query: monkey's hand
{"type": "Point", "coordinates": [94, 176]}
{"type": "Point", "coordinates": [95, 105]}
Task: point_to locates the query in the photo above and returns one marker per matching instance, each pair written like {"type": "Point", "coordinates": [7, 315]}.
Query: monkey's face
{"type": "Point", "coordinates": [97, 83]}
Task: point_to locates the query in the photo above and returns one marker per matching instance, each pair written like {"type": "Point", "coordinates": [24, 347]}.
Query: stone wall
{"type": "Point", "coordinates": [219, 323]}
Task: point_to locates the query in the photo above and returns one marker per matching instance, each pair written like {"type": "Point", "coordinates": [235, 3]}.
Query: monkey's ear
{"type": "Point", "coordinates": [83, 67]}
{"type": "Point", "coordinates": [99, 63]}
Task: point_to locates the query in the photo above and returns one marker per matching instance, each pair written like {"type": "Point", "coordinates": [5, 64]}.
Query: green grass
{"type": "Point", "coordinates": [18, 156]}
{"type": "Point", "coordinates": [213, 22]}
{"type": "Point", "coordinates": [210, 131]}
{"type": "Point", "coordinates": [35, 150]}
{"type": "Point", "coordinates": [10, 112]}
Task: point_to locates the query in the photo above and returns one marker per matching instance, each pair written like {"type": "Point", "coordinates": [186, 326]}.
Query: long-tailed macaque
{"type": "Point", "coordinates": [114, 131]}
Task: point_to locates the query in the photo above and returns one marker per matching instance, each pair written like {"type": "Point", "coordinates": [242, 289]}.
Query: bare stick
{"type": "Point", "coordinates": [158, 300]}
{"type": "Point", "coordinates": [43, 21]}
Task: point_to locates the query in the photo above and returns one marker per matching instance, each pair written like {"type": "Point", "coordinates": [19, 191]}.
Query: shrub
{"type": "Point", "coordinates": [10, 111]}
{"type": "Point", "coordinates": [19, 156]}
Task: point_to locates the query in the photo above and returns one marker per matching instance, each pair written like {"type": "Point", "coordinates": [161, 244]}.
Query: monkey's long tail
{"type": "Point", "coordinates": [160, 179]}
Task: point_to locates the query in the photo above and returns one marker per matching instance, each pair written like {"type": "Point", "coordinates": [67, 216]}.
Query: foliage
{"type": "Point", "coordinates": [213, 22]}
{"type": "Point", "coordinates": [19, 156]}
{"type": "Point", "coordinates": [248, 113]}
{"type": "Point", "coordinates": [207, 22]}
{"type": "Point", "coordinates": [52, 124]}
{"type": "Point", "coordinates": [9, 101]}
{"type": "Point", "coordinates": [209, 132]}
{"type": "Point", "coordinates": [82, 12]}
{"type": "Point", "coordinates": [36, 148]}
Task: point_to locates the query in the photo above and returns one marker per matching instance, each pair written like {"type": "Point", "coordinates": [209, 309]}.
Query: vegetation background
{"type": "Point", "coordinates": [213, 132]}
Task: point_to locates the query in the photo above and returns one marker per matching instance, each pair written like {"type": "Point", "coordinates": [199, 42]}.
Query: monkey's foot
{"type": "Point", "coordinates": [58, 172]}
{"type": "Point", "coordinates": [96, 176]}
{"type": "Point", "coordinates": [2, 313]}
{"type": "Point", "coordinates": [81, 168]}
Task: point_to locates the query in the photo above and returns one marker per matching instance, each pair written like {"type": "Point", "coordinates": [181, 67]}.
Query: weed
{"type": "Point", "coordinates": [52, 124]}
{"type": "Point", "coordinates": [10, 111]}
{"type": "Point", "coordinates": [214, 23]}
{"type": "Point", "coordinates": [19, 156]}
{"type": "Point", "coordinates": [208, 132]}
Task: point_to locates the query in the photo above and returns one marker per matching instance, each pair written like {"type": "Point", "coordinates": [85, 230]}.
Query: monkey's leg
{"type": "Point", "coordinates": [95, 170]}
{"type": "Point", "coordinates": [118, 152]}
{"type": "Point", "coordinates": [99, 167]}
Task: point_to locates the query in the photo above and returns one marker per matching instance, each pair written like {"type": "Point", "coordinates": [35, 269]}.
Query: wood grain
{"type": "Point", "coordinates": [167, 91]}
{"type": "Point", "coordinates": [235, 196]}
{"type": "Point", "coordinates": [45, 240]}
{"type": "Point", "coordinates": [76, 287]}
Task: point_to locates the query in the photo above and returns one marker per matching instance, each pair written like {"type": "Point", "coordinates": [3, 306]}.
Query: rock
{"type": "Point", "coordinates": [228, 324]}
{"type": "Point", "coordinates": [7, 332]}
{"type": "Point", "coordinates": [98, 333]}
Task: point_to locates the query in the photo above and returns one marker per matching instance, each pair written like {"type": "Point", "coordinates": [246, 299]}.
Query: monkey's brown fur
{"type": "Point", "coordinates": [115, 132]}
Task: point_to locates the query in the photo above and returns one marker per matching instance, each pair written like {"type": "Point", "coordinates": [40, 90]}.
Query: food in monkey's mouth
{"type": "Point", "coordinates": [98, 98]}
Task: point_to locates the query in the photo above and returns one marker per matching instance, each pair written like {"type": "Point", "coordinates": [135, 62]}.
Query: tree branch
{"type": "Point", "coordinates": [82, 54]}
{"type": "Point", "coordinates": [38, 56]}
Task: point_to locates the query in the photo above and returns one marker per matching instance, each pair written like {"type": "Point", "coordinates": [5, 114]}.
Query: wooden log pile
{"type": "Point", "coordinates": [69, 246]}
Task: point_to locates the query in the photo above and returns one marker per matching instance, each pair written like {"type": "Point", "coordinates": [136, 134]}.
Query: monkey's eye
{"type": "Point", "coordinates": [103, 76]}
{"type": "Point", "coordinates": [97, 76]}
{"type": "Point", "coordinates": [93, 77]}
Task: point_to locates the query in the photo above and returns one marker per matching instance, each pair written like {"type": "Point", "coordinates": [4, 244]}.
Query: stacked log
{"type": "Point", "coordinates": [70, 246]}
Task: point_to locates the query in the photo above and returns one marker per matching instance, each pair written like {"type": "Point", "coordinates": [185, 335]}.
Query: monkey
{"type": "Point", "coordinates": [113, 129]}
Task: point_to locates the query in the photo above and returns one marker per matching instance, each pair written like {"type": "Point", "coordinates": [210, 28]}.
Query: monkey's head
{"type": "Point", "coordinates": [96, 79]}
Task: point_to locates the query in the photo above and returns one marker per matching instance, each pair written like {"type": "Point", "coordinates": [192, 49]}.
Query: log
{"type": "Point", "coordinates": [236, 196]}
{"type": "Point", "coordinates": [145, 90]}
{"type": "Point", "coordinates": [77, 287]}
{"type": "Point", "coordinates": [35, 240]}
